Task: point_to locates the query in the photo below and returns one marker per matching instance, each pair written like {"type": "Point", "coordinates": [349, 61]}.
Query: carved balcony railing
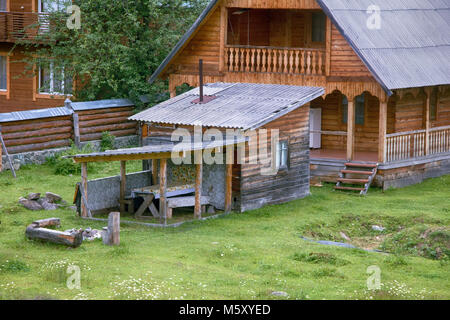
{"type": "Point", "coordinates": [415, 144]}
{"type": "Point", "coordinates": [303, 61]}
{"type": "Point", "coordinates": [19, 25]}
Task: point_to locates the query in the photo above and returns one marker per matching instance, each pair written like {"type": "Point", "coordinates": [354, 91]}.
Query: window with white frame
{"type": "Point", "coordinates": [3, 73]}
{"type": "Point", "coordinates": [282, 155]}
{"type": "Point", "coordinates": [47, 6]}
{"type": "Point", "coordinates": [52, 80]}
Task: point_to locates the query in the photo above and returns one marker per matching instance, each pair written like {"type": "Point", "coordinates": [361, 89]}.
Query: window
{"type": "Point", "coordinates": [360, 108]}
{"type": "Point", "coordinates": [433, 104]}
{"type": "Point", "coordinates": [3, 5]}
{"type": "Point", "coordinates": [53, 5]}
{"type": "Point", "coordinates": [318, 32]}
{"type": "Point", "coordinates": [282, 155]}
{"type": "Point", "coordinates": [52, 80]}
{"type": "Point", "coordinates": [3, 73]}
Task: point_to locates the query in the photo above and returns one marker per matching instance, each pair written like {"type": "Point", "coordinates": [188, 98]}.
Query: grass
{"type": "Point", "coordinates": [239, 256]}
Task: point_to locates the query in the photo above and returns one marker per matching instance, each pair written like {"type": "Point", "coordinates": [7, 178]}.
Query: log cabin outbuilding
{"type": "Point", "coordinates": [384, 67]}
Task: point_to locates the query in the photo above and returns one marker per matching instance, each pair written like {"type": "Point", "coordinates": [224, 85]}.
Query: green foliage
{"type": "Point", "coordinates": [107, 141]}
{"type": "Point", "coordinates": [319, 258]}
{"type": "Point", "coordinates": [120, 44]}
{"type": "Point", "coordinates": [14, 266]}
{"type": "Point", "coordinates": [65, 166]}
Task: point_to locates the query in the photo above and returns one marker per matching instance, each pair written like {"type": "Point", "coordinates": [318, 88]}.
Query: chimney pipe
{"type": "Point", "coordinates": [200, 71]}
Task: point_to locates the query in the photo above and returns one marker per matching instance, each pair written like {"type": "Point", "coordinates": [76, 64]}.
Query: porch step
{"type": "Point", "coordinates": [369, 173]}
{"type": "Point", "coordinates": [353, 181]}
{"type": "Point", "coordinates": [361, 165]}
{"type": "Point", "coordinates": [349, 188]}
{"type": "Point", "coordinates": [356, 169]}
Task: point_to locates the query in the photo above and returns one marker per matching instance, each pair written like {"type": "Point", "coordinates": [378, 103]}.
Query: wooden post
{"type": "Point", "coordinates": [76, 130]}
{"type": "Point", "coordinates": [198, 184]}
{"type": "Point", "coordinates": [223, 36]}
{"type": "Point", "coordinates": [162, 189]}
{"type": "Point", "coordinates": [351, 129]}
{"type": "Point", "coordinates": [123, 184]}
{"type": "Point", "coordinates": [382, 132]}
{"type": "Point", "coordinates": [428, 92]}
{"type": "Point", "coordinates": [1, 152]}
{"type": "Point", "coordinates": [229, 179]}
{"type": "Point", "coordinates": [154, 171]}
{"type": "Point", "coordinates": [112, 235]}
{"type": "Point", "coordinates": [84, 210]}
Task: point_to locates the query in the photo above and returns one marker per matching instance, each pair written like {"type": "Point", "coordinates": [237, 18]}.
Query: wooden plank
{"type": "Point", "coordinates": [428, 92]}
{"type": "Point", "coordinates": [223, 35]}
{"type": "Point", "coordinates": [229, 179]}
{"type": "Point", "coordinates": [181, 202]}
{"type": "Point", "coordinates": [123, 184]}
{"type": "Point", "coordinates": [162, 189]}
{"type": "Point", "coordinates": [84, 181]}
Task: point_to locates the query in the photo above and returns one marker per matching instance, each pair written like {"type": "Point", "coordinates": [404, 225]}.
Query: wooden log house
{"type": "Point", "coordinates": [22, 89]}
{"type": "Point", "coordinates": [385, 71]}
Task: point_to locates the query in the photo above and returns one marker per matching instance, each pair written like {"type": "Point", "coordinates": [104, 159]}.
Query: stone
{"type": "Point", "coordinates": [33, 196]}
{"type": "Point", "coordinates": [30, 204]}
{"type": "Point", "coordinates": [53, 197]}
{"type": "Point", "coordinates": [279, 294]}
{"type": "Point", "coordinates": [378, 228]}
{"type": "Point", "coordinates": [47, 205]}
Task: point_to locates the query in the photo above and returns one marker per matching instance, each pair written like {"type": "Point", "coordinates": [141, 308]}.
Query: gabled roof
{"type": "Point", "coordinates": [411, 49]}
{"type": "Point", "coordinates": [236, 105]}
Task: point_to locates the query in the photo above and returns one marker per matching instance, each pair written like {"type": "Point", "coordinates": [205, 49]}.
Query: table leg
{"type": "Point", "coordinates": [147, 202]}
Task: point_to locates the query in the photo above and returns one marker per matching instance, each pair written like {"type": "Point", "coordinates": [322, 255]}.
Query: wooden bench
{"type": "Point", "coordinates": [181, 202]}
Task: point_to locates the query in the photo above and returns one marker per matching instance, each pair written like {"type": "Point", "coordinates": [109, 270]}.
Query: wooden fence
{"type": "Point", "coordinates": [44, 129]}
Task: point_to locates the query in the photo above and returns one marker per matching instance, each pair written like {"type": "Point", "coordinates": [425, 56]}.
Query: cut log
{"type": "Point", "coordinates": [35, 231]}
{"type": "Point", "coordinates": [112, 235]}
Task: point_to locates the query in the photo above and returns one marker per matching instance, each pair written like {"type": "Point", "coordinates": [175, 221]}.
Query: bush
{"type": "Point", "coordinates": [107, 142]}
{"type": "Point", "coordinates": [66, 166]}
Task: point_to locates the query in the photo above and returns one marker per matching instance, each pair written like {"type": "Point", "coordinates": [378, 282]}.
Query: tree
{"type": "Point", "coordinates": [119, 45]}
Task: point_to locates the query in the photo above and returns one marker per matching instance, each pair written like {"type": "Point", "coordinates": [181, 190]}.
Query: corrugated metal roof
{"type": "Point", "coordinates": [101, 104]}
{"type": "Point", "coordinates": [163, 148]}
{"type": "Point", "coordinates": [412, 46]}
{"type": "Point", "coordinates": [237, 105]}
{"type": "Point", "coordinates": [35, 114]}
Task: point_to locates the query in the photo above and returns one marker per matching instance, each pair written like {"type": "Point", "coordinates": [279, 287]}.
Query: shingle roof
{"type": "Point", "coordinates": [238, 105]}
{"type": "Point", "coordinates": [412, 46]}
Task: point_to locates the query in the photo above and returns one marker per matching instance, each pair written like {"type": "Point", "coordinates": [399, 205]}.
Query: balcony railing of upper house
{"type": "Point", "coordinates": [304, 61]}
{"type": "Point", "coordinates": [16, 25]}
{"type": "Point", "coordinates": [416, 144]}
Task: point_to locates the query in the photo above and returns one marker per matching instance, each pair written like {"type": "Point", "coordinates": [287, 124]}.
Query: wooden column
{"type": "Point", "coordinates": [76, 130]}
{"type": "Point", "coordinates": [223, 36]}
{"type": "Point", "coordinates": [84, 211]}
{"type": "Point", "coordinates": [229, 179]}
{"type": "Point", "coordinates": [123, 184]}
{"type": "Point", "coordinates": [1, 151]}
{"type": "Point", "coordinates": [351, 129]}
{"type": "Point", "coordinates": [382, 132]}
{"type": "Point", "coordinates": [428, 91]}
{"type": "Point", "coordinates": [198, 184]}
{"type": "Point", "coordinates": [162, 189]}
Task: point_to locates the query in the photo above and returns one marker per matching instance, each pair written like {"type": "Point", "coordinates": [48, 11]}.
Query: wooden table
{"type": "Point", "coordinates": [153, 192]}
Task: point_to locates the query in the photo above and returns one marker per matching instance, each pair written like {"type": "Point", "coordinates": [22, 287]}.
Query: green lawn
{"type": "Point", "coordinates": [240, 256]}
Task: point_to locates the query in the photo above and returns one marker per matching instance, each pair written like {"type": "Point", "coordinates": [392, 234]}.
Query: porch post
{"type": "Point", "coordinates": [229, 178]}
{"type": "Point", "coordinates": [382, 132]}
{"type": "Point", "coordinates": [223, 36]}
{"type": "Point", "coordinates": [162, 189]}
{"type": "Point", "coordinates": [427, 120]}
{"type": "Point", "coordinates": [351, 129]}
{"type": "Point", "coordinates": [198, 185]}
{"type": "Point", "coordinates": [123, 184]}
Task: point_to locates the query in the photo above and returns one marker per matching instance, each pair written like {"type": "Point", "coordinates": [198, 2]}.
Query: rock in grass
{"type": "Point", "coordinates": [30, 204]}
{"type": "Point", "coordinates": [33, 196]}
{"type": "Point", "coordinates": [53, 197]}
{"type": "Point", "coordinates": [344, 236]}
{"type": "Point", "coordinates": [378, 228]}
{"type": "Point", "coordinates": [279, 294]}
{"type": "Point", "coordinates": [47, 205]}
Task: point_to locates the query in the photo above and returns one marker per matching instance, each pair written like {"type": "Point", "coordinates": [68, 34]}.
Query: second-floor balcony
{"type": "Point", "coordinates": [304, 61]}
{"type": "Point", "coordinates": [15, 26]}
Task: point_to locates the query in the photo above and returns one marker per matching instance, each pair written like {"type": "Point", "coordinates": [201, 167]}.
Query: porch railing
{"type": "Point", "coordinates": [277, 60]}
{"type": "Point", "coordinates": [414, 144]}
